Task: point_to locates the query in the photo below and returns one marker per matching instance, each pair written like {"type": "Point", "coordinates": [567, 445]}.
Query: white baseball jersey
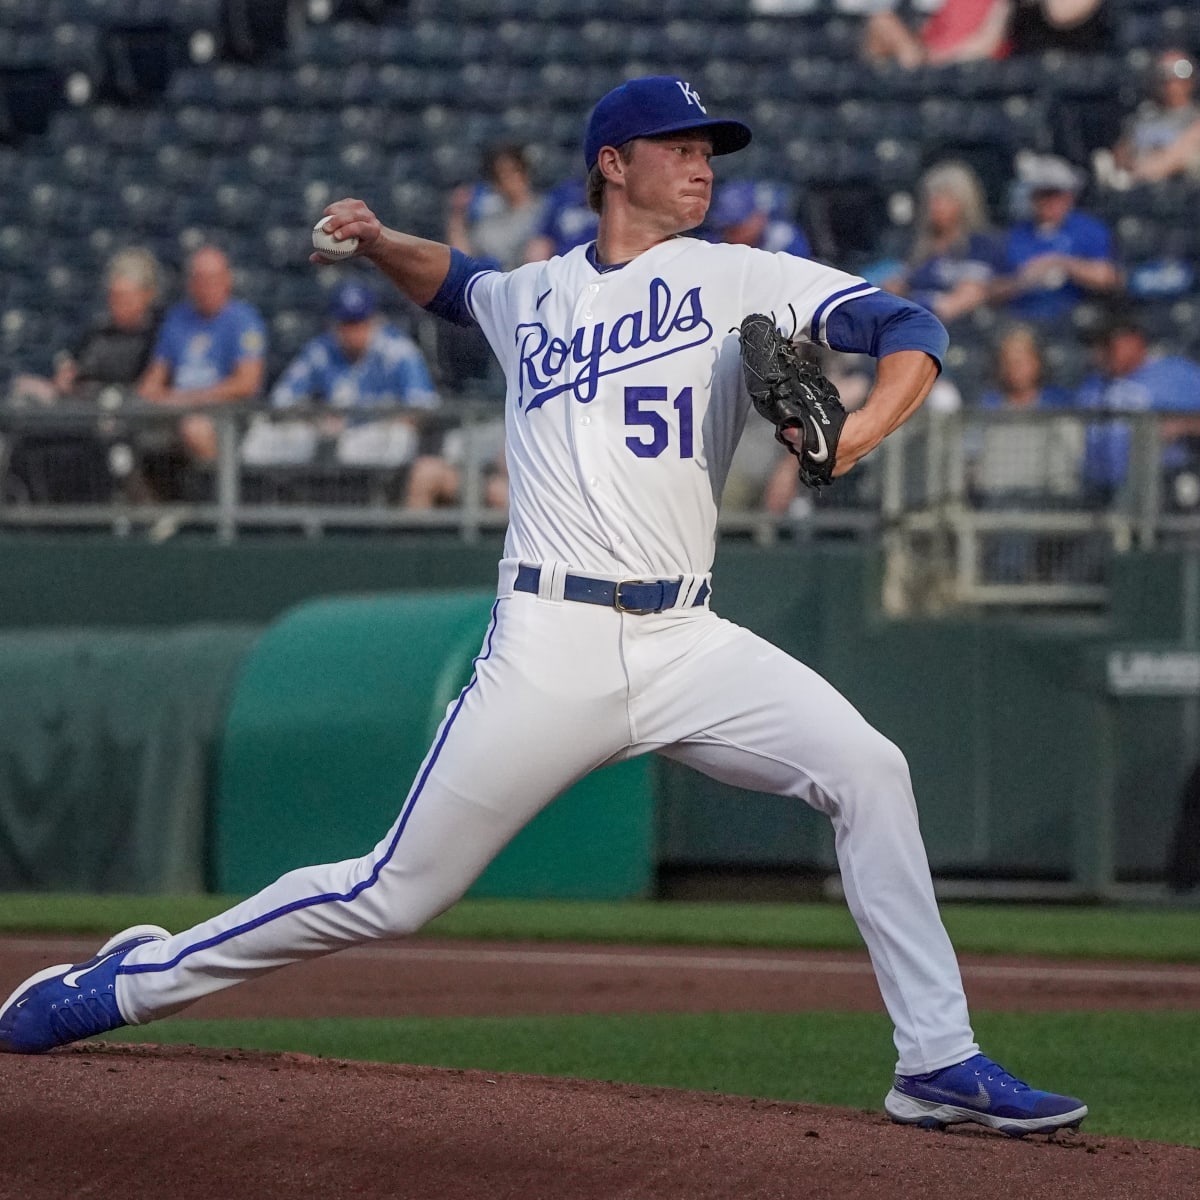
{"type": "Point", "coordinates": [625, 396]}
{"type": "Point", "coordinates": [624, 405]}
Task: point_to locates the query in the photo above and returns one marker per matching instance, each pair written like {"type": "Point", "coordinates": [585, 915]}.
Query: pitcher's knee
{"type": "Point", "coordinates": [400, 904]}
{"type": "Point", "coordinates": [879, 776]}
{"type": "Point", "coordinates": [886, 762]}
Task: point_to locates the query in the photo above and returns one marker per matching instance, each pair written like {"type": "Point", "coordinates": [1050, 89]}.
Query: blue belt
{"type": "Point", "coordinates": [626, 595]}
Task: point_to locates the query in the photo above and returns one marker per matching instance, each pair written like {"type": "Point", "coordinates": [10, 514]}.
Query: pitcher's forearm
{"type": "Point", "coordinates": [902, 381]}
{"type": "Point", "coordinates": [415, 265]}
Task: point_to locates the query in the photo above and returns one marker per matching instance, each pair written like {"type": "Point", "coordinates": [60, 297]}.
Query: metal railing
{"type": "Point", "coordinates": [115, 463]}
{"type": "Point", "coordinates": [1003, 507]}
{"type": "Point", "coordinates": [973, 507]}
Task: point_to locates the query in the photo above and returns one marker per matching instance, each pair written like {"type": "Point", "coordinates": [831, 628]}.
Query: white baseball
{"type": "Point", "coordinates": [326, 244]}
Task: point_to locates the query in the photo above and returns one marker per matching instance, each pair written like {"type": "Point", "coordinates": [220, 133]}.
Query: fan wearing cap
{"type": "Point", "coordinates": [1162, 138]}
{"type": "Point", "coordinates": [368, 373]}
{"type": "Point", "coordinates": [625, 398]}
{"type": "Point", "coordinates": [748, 213]}
{"type": "Point", "coordinates": [1057, 256]}
{"type": "Point", "coordinates": [1129, 377]}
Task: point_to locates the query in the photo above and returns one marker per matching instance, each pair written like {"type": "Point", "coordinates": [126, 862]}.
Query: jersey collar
{"type": "Point", "coordinates": [597, 265]}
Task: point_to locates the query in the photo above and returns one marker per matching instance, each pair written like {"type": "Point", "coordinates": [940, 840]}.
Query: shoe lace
{"type": "Point", "coordinates": [80, 1018]}
{"type": "Point", "coordinates": [993, 1072]}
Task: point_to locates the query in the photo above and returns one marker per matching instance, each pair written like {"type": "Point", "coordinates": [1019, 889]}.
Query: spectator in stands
{"type": "Point", "coordinates": [956, 31]}
{"type": "Point", "coordinates": [117, 349]}
{"type": "Point", "coordinates": [1073, 26]}
{"type": "Point", "coordinates": [369, 375]}
{"type": "Point", "coordinates": [75, 463]}
{"type": "Point", "coordinates": [1057, 256]}
{"type": "Point", "coordinates": [1019, 373]}
{"type": "Point", "coordinates": [567, 221]}
{"type": "Point", "coordinates": [492, 220]}
{"type": "Point", "coordinates": [209, 351]}
{"type": "Point", "coordinates": [436, 480]}
{"type": "Point", "coordinates": [1131, 379]}
{"type": "Point", "coordinates": [745, 213]}
{"type": "Point", "coordinates": [496, 218]}
{"type": "Point", "coordinates": [1024, 465]}
{"type": "Point", "coordinates": [953, 257]}
{"type": "Point", "coordinates": [1162, 138]}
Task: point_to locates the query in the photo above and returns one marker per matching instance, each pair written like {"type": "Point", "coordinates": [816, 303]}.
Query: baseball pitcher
{"type": "Point", "coordinates": [632, 364]}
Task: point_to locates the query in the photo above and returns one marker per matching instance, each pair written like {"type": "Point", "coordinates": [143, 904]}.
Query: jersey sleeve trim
{"type": "Point", "coordinates": [470, 289]}
{"type": "Point", "coordinates": [879, 323]}
{"type": "Point", "coordinates": [827, 306]}
{"type": "Point", "coordinates": [452, 302]}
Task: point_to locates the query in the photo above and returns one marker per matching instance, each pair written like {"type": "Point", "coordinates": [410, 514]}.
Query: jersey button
{"type": "Point", "coordinates": [593, 482]}
{"type": "Point", "coordinates": [585, 420]}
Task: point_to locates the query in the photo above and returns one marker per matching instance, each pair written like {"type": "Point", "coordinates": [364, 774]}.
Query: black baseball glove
{"type": "Point", "coordinates": [792, 393]}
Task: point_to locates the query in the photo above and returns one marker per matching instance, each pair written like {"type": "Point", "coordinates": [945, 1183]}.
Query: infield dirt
{"type": "Point", "coordinates": [185, 1123]}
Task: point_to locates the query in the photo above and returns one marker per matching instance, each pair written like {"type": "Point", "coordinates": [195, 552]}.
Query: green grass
{"type": "Point", "coordinates": [1125, 1065]}
{"type": "Point", "coordinates": [1165, 935]}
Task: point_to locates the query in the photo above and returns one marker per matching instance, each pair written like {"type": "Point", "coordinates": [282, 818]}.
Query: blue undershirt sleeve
{"type": "Point", "coordinates": [880, 323]}
{"type": "Point", "coordinates": [450, 303]}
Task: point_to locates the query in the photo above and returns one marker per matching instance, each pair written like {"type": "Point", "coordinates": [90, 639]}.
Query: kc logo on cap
{"type": "Point", "coordinates": [691, 95]}
{"type": "Point", "coordinates": [654, 105]}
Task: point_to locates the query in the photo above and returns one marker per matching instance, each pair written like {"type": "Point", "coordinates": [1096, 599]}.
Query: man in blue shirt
{"type": "Point", "coordinates": [1057, 256]}
{"type": "Point", "coordinates": [746, 213]}
{"type": "Point", "coordinates": [359, 362]}
{"type": "Point", "coordinates": [567, 221]}
{"type": "Point", "coordinates": [209, 351]}
{"type": "Point", "coordinates": [366, 372]}
{"type": "Point", "coordinates": [1130, 380]}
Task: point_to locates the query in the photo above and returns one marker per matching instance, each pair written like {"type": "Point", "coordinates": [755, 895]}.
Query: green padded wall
{"type": "Point", "coordinates": [107, 746]}
{"type": "Point", "coordinates": [333, 713]}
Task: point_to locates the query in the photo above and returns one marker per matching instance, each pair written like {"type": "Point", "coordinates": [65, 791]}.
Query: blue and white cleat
{"type": "Point", "coordinates": [982, 1091]}
{"type": "Point", "coordinates": [71, 1001]}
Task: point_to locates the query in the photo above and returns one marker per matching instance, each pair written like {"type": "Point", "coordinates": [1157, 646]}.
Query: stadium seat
{"type": "Point", "coordinates": [146, 208]}
{"type": "Point", "coordinates": [435, 43]}
{"type": "Point", "coordinates": [304, 130]}
{"type": "Point", "coordinates": [825, 81]}
{"type": "Point", "coordinates": [139, 59]}
{"type": "Point", "coordinates": [25, 46]}
{"type": "Point", "coordinates": [23, 12]}
{"type": "Point", "coordinates": [78, 48]}
{"type": "Point", "coordinates": [1068, 360]}
{"type": "Point", "coordinates": [898, 162]}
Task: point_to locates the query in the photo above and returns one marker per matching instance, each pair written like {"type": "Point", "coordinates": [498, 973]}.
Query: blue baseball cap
{"type": "Point", "coordinates": [352, 302]}
{"type": "Point", "coordinates": [652, 105]}
{"type": "Point", "coordinates": [738, 199]}
{"type": "Point", "coordinates": [735, 201]}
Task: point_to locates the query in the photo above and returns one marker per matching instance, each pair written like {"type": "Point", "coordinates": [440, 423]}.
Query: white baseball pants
{"type": "Point", "coordinates": [561, 688]}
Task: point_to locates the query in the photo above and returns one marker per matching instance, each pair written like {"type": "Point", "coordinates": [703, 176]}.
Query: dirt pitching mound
{"type": "Point", "coordinates": [193, 1124]}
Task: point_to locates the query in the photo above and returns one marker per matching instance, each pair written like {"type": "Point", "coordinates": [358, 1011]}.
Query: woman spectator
{"type": "Point", "coordinates": [952, 259]}
{"type": "Point", "coordinates": [1024, 464]}
{"type": "Point", "coordinates": [1019, 374]}
{"type": "Point", "coordinates": [1162, 138]}
{"type": "Point", "coordinates": [495, 218]}
{"type": "Point", "coordinates": [492, 219]}
{"type": "Point", "coordinates": [957, 31]}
